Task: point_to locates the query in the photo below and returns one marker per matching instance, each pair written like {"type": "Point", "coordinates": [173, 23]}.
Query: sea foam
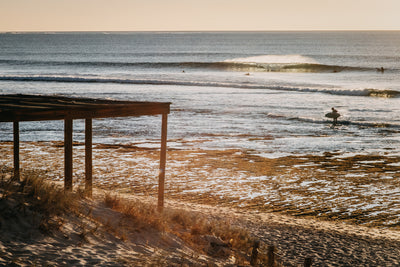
{"type": "Point", "coordinates": [275, 59]}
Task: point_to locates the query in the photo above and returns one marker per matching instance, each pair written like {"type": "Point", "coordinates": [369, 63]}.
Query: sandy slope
{"type": "Point", "coordinates": [327, 243]}
{"type": "Point", "coordinates": [80, 241]}
{"type": "Point", "coordinates": [104, 238]}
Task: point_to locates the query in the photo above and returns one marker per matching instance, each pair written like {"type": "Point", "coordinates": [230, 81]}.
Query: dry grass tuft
{"type": "Point", "coordinates": [144, 215]}
{"type": "Point", "coordinates": [49, 198]}
{"type": "Point", "coordinates": [214, 236]}
{"type": "Point", "coordinates": [112, 201]}
{"type": "Point", "coordinates": [33, 196]}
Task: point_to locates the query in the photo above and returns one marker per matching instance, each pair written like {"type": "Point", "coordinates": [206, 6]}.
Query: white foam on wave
{"type": "Point", "coordinates": [275, 59]}
{"type": "Point", "coordinates": [203, 83]}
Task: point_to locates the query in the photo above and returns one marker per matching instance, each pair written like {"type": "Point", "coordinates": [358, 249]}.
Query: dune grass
{"type": "Point", "coordinates": [50, 206]}
{"type": "Point", "coordinates": [214, 236]}
{"type": "Point", "coordinates": [34, 197]}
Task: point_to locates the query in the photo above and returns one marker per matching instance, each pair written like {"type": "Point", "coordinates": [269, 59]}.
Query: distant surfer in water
{"type": "Point", "coordinates": [333, 115]}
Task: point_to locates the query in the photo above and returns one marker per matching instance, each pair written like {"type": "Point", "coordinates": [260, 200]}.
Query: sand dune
{"type": "Point", "coordinates": [80, 242]}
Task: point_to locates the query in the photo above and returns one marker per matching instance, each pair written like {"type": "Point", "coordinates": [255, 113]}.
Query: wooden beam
{"type": "Point", "coordinates": [163, 159]}
{"type": "Point", "coordinates": [25, 108]}
{"type": "Point", "coordinates": [88, 157]}
{"type": "Point", "coordinates": [68, 154]}
{"type": "Point", "coordinates": [16, 150]}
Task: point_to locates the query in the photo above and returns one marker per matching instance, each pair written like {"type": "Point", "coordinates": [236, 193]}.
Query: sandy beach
{"type": "Point", "coordinates": [219, 184]}
{"type": "Point", "coordinates": [327, 243]}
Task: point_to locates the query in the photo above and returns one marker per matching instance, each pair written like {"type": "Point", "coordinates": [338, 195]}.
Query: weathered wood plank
{"type": "Point", "coordinates": [16, 110]}
{"type": "Point", "coordinates": [19, 106]}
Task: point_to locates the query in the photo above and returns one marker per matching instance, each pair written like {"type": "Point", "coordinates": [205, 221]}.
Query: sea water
{"type": "Point", "coordinates": [265, 92]}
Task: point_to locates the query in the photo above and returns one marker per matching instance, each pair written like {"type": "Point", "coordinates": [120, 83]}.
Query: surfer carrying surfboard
{"type": "Point", "coordinates": [334, 115]}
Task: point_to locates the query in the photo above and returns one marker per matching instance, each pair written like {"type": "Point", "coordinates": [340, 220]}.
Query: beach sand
{"type": "Point", "coordinates": [327, 243]}
{"type": "Point", "coordinates": [280, 201]}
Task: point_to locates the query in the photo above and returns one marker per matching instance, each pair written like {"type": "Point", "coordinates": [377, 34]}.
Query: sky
{"type": "Point", "coordinates": [198, 15]}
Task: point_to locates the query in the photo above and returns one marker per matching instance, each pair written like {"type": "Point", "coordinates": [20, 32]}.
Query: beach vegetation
{"type": "Point", "coordinates": [214, 236]}
{"type": "Point", "coordinates": [49, 208]}
{"type": "Point", "coordinates": [33, 196]}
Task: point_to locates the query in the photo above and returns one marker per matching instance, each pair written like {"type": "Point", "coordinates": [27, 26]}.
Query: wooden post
{"type": "Point", "coordinates": [254, 253]}
{"type": "Point", "coordinates": [16, 151]}
{"type": "Point", "coordinates": [68, 154]}
{"type": "Point", "coordinates": [88, 157]}
{"type": "Point", "coordinates": [307, 262]}
{"type": "Point", "coordinates": [163, 159]}
{"type": "Point", "coordinates": [271, 256]}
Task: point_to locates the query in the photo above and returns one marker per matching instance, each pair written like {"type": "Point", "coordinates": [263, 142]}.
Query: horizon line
{"type": "Point", "coordinates": [194, 31]}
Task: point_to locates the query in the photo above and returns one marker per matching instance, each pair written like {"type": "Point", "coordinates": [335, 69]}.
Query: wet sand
{"type": "Point", "coordinates": [359, 189]}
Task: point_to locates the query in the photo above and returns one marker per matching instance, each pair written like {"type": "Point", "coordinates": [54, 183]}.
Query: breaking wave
{"type": "Point", "coordinates": [293, 63]}
{"type": "Point", "coordinates": [289, 63]}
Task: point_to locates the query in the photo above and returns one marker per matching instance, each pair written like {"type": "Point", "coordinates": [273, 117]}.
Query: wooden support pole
{"type": "Point", "coordinates": [68, 154]}
{"type": "Point", "coordinates": [88, 157]}
{"type": "Point", "coordinates": [16, 150]}
{"type": "Point", "coordinates": [163, 159]}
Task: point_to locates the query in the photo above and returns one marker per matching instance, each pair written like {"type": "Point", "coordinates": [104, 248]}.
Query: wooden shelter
{"type": "Point", "coordinates": [18, 107]}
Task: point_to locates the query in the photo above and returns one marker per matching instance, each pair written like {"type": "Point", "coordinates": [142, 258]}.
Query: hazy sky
{"type": "Point", "coordinates": [198, 15]}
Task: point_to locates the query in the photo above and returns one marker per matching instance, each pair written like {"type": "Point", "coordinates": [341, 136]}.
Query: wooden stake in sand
{"type": "Point", "coordinates": [254, 253]}
{"type": "Point", "coordinates": [271, 256]}
{"type": "Point", "coordinates": [307, 262]}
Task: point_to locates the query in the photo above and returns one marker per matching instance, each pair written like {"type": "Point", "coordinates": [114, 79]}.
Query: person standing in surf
{"type": "Point", "coordinates": [334, 115]}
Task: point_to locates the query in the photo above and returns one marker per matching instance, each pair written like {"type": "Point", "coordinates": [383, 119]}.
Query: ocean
{"type": "Point", "coordinates": [228, 88]}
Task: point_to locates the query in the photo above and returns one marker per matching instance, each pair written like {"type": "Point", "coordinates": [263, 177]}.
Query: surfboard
{"type": "Point", "coordinates": [332, 115]}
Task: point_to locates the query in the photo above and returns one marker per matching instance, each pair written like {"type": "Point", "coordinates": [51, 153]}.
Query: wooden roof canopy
{"type": "Point", "coordinates": [19, 107]}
